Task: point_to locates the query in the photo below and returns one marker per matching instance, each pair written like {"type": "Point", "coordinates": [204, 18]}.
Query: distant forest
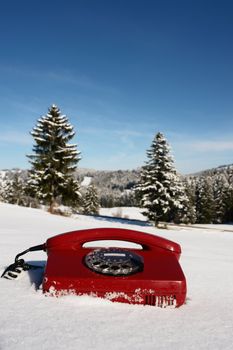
{"type": "Point", "coordinates": [210, 192]}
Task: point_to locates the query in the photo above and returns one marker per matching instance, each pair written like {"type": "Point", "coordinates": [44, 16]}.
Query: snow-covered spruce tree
{"type": "Point", "coordinates": [227, 203]}
{"type": "Point", "coordinates": [160, 188]}
{"type": "Point", "coordinates": [54, 161]}
{"type": "Point", "coordinates": [2, 192]}
{"type": "Point", "coordinates": [205, 205]}
{"type": "Point", "coordinates": [91, 201]}
{"type": "Point", "coordinates": [190, 187]}
{"type": "Point", "coordinates": [220, 190]}
{"type": "Point", "coordinates": [228, 197]}
{"type": "Point", "coordinates": [14, 191]}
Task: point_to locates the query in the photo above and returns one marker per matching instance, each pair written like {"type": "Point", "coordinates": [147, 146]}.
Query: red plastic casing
{"type": "Point", "coordinates": [162, 281]}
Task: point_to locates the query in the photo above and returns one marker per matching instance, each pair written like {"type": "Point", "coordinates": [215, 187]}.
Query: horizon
{"type": "Point", "coordinates": [121, 72]}
{"type": "Point", "coordinates": [115, 170]}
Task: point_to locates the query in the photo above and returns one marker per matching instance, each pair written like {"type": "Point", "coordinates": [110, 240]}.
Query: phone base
{"type": "Point", "coordinates": [139, 297]}
{"type": "Point", "coordinates": [148, 276]}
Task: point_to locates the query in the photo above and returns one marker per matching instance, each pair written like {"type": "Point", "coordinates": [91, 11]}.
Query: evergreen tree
{"type": "Point", "coordinates": [190, 187]}
{"type": "Point", "coordinates": [71, 195]}
{"type": "Point", "coordinates": [228, 197]}
{"type": "Point", "coordinates": [14, 191]}
{"type": "Point", "coordinates": [2, 192]}
{"type": "Point", "coordinates": [54, 160]}
{"type": "Point", "coordinates": [160, 188]}
{"type": "Point", "coordinates": [91, 201]}
{"type": "Point", "coordinates": [220, 188]}
{"type": "Point", "coordinates": [227, 203]}
{"type": "Point", "coordinates": [205, 205]}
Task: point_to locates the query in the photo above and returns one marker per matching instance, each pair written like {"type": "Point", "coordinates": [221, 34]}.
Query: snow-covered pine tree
{"type": "Point", "coordinates": [205, 206]}
{"type": "Point", "coordinates": [160, 188]}
{"type": "Point", "coordinates": [1, 193]}
{"type": "Point", "coordinates": [14, 191]}
{"type": "Point", "coordinates": [190, 187]}
{"type": "Point", "coordinates": [220, 189]}
{"type": "Point", "coordinates": [228, 197]}
{"type": "Point", "coordinates": [91, 201]}
{"type": "Point", "coordinates": [54, 160]}
{"type": "Point", "coordinates": [227, 203]}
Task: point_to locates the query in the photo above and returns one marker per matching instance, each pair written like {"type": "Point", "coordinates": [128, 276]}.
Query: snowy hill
{"type": "Point", "coordinates": [29, 320]}
{"type": "Point", "coordinates": [210, 172]}
{"type": "Point", "coordinates": [114, 187]}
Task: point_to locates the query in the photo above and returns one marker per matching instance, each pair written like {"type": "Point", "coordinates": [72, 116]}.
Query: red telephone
{"type": "Point", "coordinates": [150, 276]}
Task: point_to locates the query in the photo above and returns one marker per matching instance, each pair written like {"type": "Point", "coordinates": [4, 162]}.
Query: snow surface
{"type": "Point", "coordinates": [124, 212]}
{"type": "Point", "coordinates": [30, 320]}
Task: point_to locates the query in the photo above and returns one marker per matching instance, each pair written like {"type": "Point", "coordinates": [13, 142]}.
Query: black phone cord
{"type": "Point", "coordinates": [15, 269]}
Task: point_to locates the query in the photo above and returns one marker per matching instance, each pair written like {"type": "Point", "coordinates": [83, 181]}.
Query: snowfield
{"type": "Point", "coordinates": [29, 320]}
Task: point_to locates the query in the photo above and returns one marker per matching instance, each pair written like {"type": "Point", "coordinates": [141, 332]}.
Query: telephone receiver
{"type": "Point", "coordinates": [76, 239]}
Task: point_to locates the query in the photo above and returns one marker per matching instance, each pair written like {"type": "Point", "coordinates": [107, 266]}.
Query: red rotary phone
{"type": "Point", "coordinates": [149, 276]}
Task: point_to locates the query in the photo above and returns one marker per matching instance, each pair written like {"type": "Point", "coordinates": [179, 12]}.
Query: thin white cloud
{"type": "Point", "coordinates": [63, 76]}
{"type": "Point", "coordinates": [203, 145]}
{"type": "Point", "coordinates": [110, 131]}
{"type": "Point", "coordinates": [217, 146]}
{"type": "Point", "coordinates": [15, 137]}
{"type": "Point", "coordinates": [129, 133]}
{"type": "Point", "coordinates": [128, 138]}
{"type": "Point", "coordinates": [70, 78]}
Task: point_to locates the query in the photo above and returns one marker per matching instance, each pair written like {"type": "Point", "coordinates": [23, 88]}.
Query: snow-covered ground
{"type": "Point", "coordinates": [29, 320]}
{"type": "Point", "coordinates": [124, 212]}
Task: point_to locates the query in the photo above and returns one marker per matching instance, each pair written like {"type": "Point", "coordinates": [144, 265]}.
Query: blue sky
{"type": "Point", "coordinates": [121, 71]}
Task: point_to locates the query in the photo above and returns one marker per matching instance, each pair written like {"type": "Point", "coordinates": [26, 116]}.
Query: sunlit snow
{"type": "Point", "coordinates": [30, 320]}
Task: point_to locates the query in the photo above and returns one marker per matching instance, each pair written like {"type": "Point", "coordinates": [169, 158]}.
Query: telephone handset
{"type": "Point", "coordinates": [76, 239]}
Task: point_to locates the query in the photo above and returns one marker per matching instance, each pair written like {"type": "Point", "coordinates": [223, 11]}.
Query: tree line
{"type": "Point", "coordinates": [163, 194]}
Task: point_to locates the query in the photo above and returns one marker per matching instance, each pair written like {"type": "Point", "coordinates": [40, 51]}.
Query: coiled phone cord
{"type": "Point", "coordinates": [14, 270]}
